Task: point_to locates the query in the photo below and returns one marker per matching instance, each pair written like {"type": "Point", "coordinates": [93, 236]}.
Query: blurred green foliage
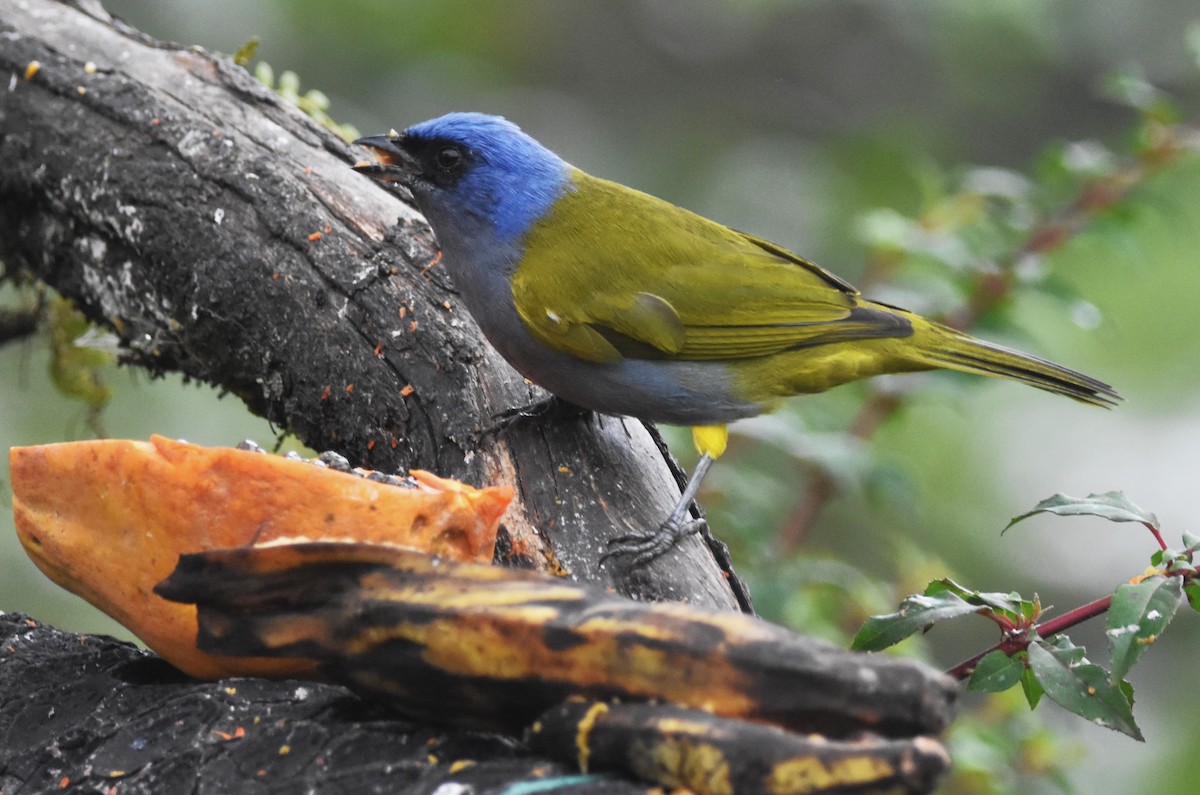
{"type": "Point", "coordinates": [908, 147]}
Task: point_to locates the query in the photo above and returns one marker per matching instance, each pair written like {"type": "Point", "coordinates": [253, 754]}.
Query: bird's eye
{"type": "Point", "coordinates": [449, 158]}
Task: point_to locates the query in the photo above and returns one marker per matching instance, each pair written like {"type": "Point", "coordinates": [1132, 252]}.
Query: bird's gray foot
{"type": "Point", "coordinates": [641, 548]}
{"type": "Point", "coordinates": [551, 408]}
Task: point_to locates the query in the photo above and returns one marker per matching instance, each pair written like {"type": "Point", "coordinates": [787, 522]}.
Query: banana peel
{"type": "Point", "coordinates": [695, 751]}
{"type": "Point", "coordinates": [491, 648]}
{"type": "Point", "coordinates": [711, 702]}
{"type": "Point", "coordinates": [109, 519]}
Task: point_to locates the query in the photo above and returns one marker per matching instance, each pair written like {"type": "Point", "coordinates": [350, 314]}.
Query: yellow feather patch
{"type": "Point", "coordinates": [710, 440]}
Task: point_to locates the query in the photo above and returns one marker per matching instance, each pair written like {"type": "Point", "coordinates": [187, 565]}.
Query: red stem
{"type": "Point", "coordinates": [1011, 646]}
{"type": "Point", "coordinates": [1004, 622]}
{"type": "Point", "coordinates": [1157, 535]}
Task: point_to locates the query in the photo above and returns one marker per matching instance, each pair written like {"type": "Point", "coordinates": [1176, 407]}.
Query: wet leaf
{"type": "Point", "coordinates": [1192, 589]}
{"type": "Point", "coordinates": [916, 614]}
{"type": "Point", "coordinates": [996, 672]}
{"type": "Point", "coordinates": [1084, 689]}
{"type": "Point", "coordinates": [1112, 505]}
{"type": "Point", "coordinates": [1001, 602]}
{"type": "Point", "coordinates": [1032, 687]}
{"type": "Point", "coordinates": [1138, 615]}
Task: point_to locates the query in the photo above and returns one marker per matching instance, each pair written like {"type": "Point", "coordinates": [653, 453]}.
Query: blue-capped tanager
{"type": "Point", "coordinates": [622, 303]}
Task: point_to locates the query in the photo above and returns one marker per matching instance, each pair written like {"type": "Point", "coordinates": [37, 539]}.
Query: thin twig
{"type": "Point", "coordinates": [1017, 639]}
{"type": "Point", "coordinates": [1012, 645]}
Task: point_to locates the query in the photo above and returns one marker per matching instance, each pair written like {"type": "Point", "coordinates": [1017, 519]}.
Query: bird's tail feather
{"type": "Point", "coordinates": [954, 350]}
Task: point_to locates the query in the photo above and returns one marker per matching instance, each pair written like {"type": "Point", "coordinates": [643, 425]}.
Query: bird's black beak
{"type": "Point", "coordinates": [395, 164]}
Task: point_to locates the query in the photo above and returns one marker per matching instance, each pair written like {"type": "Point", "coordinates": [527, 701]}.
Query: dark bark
{"type": "Point", "coordinates": [83, 713]}
{"type": "Point", "coordinates": [221, 234]}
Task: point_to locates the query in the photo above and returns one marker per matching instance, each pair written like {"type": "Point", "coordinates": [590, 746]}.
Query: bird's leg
{"type": "Point", "coordinates": [641, 548]}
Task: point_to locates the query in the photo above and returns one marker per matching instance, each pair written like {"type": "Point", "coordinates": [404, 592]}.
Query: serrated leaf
{"type": "Point", "coordinates": [996, 672]}
{"type": "Point", "coordinates": [1137, 616]}
{"type": "Point", "coordinates": [946, 585]}
{"type": "Point", "coordinates": [917, 613]}
{"type": "Point", "coordinates": [1005, 602]}
{"type": "Point", "coordinates": [1084, 689]}
{"type": "Point", "coordinates": [1064, 649]}
{"type": "Point", "coordinates": [1112, 505]}
{"type": "Point", "coordinates": [1032, 687]}
{"type": "Point", "coordinates": [1002, 602]}
{"type": "Point", "coordinates": [1127, 691]}
{"type": "Point", "coordinates": [1031, 609]}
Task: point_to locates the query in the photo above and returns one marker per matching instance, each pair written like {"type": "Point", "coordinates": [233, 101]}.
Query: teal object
{"type": "Point", "coordinates": [623, 303]}
{"type": "Point", "coordinates": [558, 783]}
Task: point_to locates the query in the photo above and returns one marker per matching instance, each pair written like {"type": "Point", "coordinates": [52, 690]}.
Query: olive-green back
{"type": "Point", "coordinates": [611, 272]}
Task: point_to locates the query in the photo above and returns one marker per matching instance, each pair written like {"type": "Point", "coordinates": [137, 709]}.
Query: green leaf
{"type": "Point", "coordinates": [1127, 691]}
{"type": "Point", "coordinates": [1190, 541]}
{"type": "Point", "coordinates": [1112, 505]}
{"type": "Point", "coordinates": [1084, 689]}
{"type": "Point", "coordinates": [917, 613]}
{"type": "Point", "coordinates": [1137, 616]}
{"type": "Point", "coordinates": [996, 672]}
{"type": "Point", "coordinates": [1180, 568]}
{"type": "Point", "coordinates": [1011, 603]}
{"type": "Point", "coordinates": [1032, 687]}
{"type": "Point", "coordinates": [78, 354]}
{"type": "Point", "coordinates": [1063, 649]}
{"type": "Point", "coordinates": [1004, 602]}
{"type": "Point", "coordinates": [265, 74]}
{"type": "Point", "coordinates": [1192, 589]}
{"type": "Point", "coordinates": [947, 585]}
{"type": "Point", "coordinates": [1130, 87]}
{"type": "Point", "coordinates": [246, 51]}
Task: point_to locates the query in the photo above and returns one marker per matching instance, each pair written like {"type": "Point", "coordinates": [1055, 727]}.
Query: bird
{"type": "Point", "coordinates": [622, 303]}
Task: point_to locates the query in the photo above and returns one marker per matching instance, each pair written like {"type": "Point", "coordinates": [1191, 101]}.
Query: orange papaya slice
{"type": "Point", "coordinates": [108, 519]}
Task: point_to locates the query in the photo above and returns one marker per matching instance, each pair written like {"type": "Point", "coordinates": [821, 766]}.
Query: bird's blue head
{"type": "Point", "coordinates": [472, 164]}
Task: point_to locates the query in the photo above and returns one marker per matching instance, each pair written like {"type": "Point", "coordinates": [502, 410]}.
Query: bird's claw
{"type": "Point", "coordinates": [641, 548]}
{"type": "Point", "coordinates": [548, 408]}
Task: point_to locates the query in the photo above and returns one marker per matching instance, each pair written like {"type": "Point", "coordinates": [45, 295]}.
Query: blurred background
{"type": "Point", "coordinates": [907, 146]}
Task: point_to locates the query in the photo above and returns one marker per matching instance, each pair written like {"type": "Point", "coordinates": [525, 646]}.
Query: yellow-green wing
{"type": "Point", "coordinates": [667, 283]}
